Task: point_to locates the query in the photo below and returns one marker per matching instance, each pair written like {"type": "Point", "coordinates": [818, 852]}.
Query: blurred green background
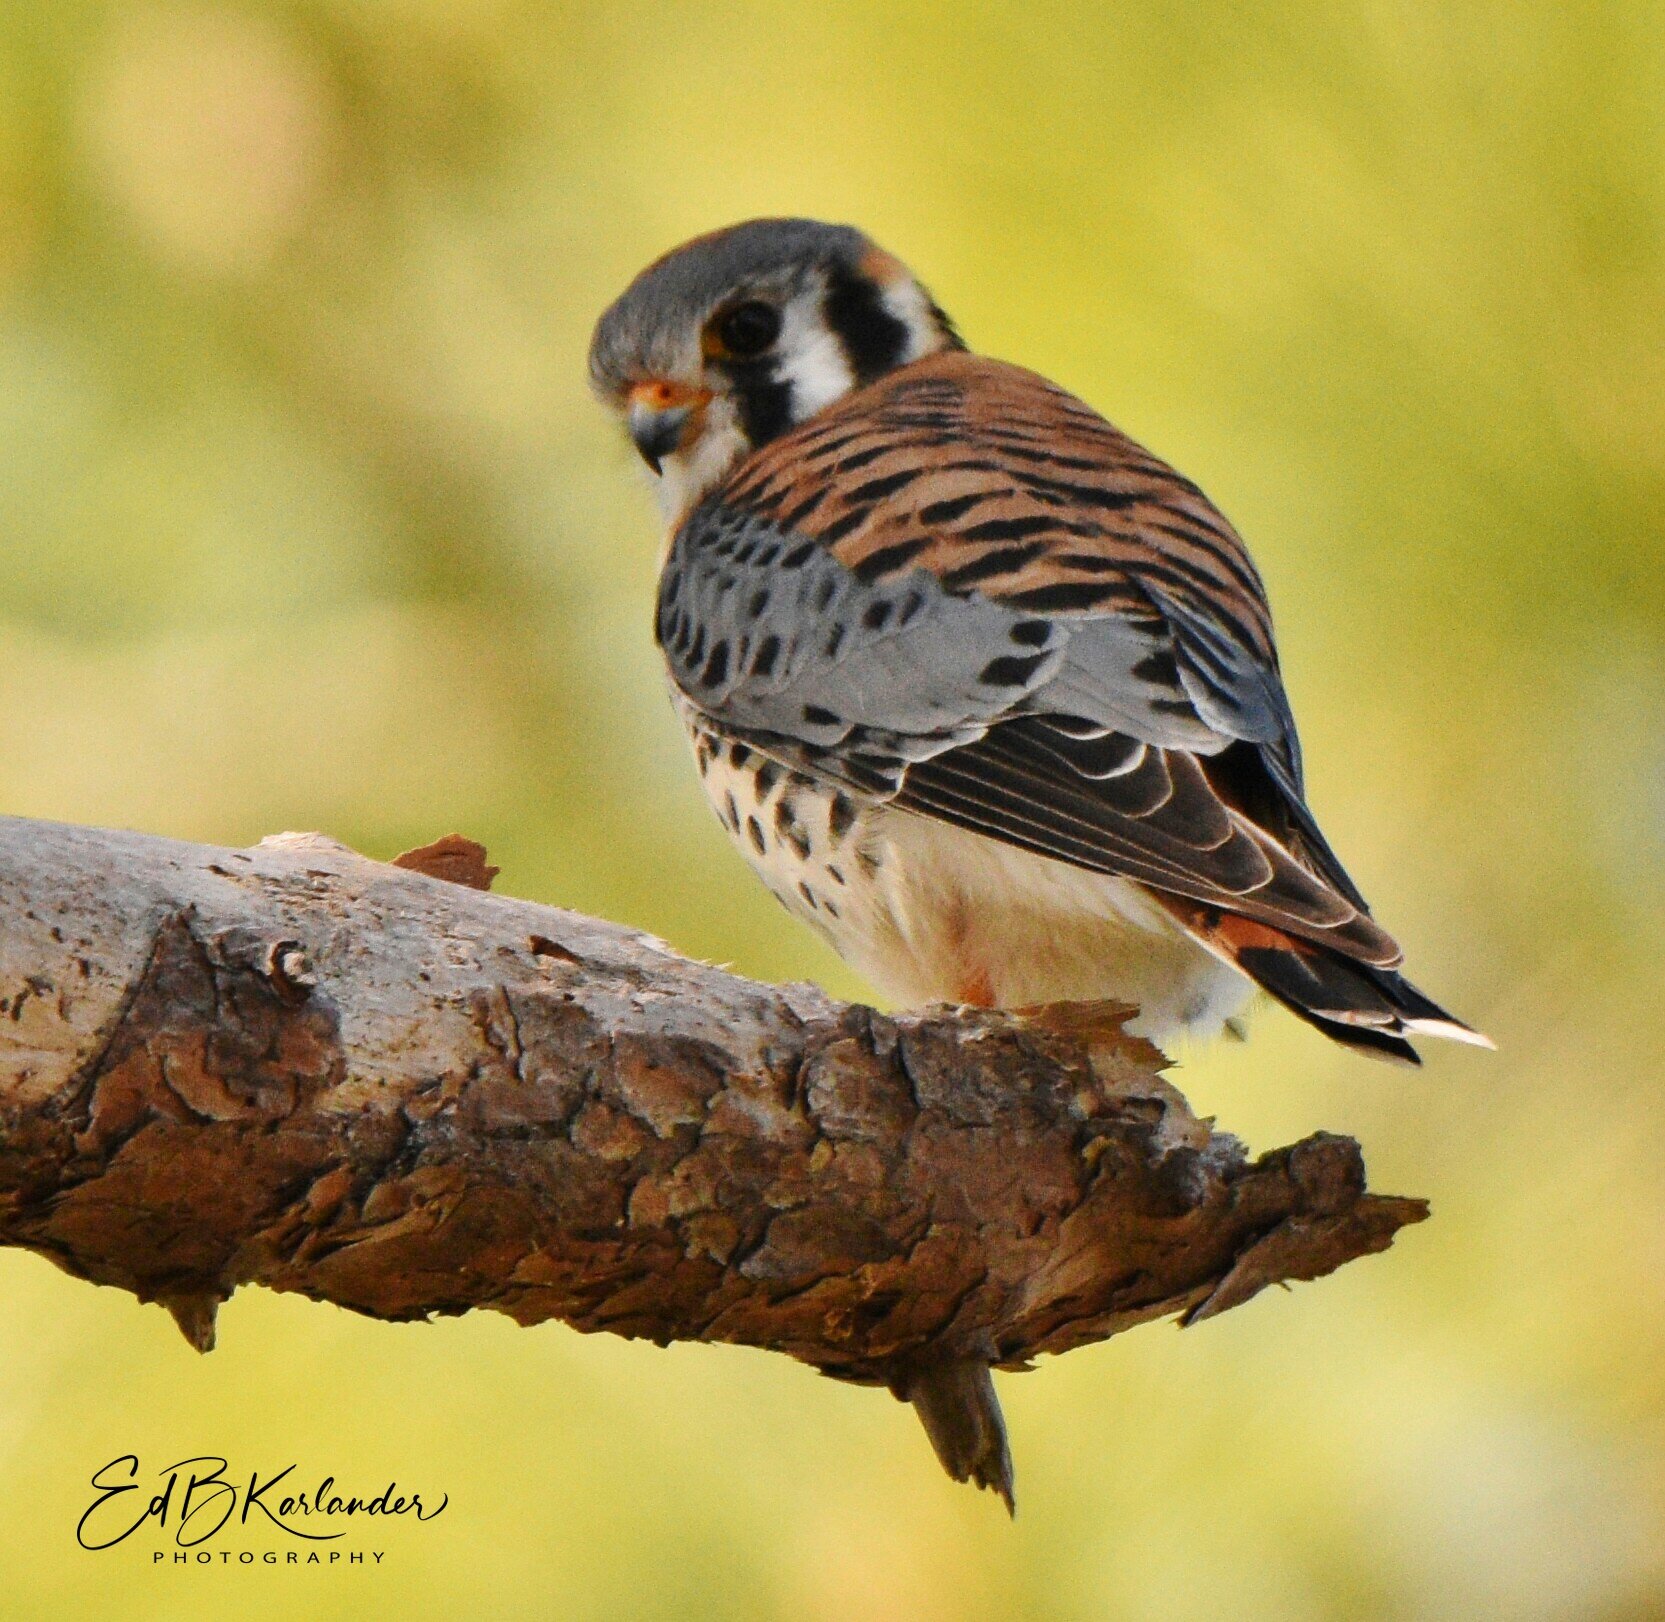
{"type": "Point", "coordinates": [307, 521]}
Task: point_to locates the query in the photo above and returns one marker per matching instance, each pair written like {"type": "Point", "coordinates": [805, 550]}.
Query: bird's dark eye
{"type": "Point", "coordinates": [748, 329]}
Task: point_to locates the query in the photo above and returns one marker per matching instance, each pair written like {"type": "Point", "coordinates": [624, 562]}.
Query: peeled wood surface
{"type": "Point", "coordinates": [297, 1067]}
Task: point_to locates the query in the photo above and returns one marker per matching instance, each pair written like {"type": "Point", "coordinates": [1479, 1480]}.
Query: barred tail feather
{"type": "Point", "coordinates": [1357, 1004]}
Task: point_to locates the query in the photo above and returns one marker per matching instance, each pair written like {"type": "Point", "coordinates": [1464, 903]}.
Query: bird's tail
{"type": "Point", "coordinates": [1359, 1004]}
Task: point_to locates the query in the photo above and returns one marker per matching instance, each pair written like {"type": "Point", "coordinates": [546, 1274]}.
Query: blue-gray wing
{"type": "Point", "coordinates": [767, 632]}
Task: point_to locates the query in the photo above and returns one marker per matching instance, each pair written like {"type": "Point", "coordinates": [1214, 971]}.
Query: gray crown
{"type": "Point", "coordinates": [653, 327]}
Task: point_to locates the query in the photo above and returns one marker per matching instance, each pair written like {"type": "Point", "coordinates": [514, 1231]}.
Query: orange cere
{"type": "Point", "coordinates": [665, 394]}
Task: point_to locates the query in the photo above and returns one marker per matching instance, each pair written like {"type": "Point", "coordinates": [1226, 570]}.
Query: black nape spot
{"type": "Point", "coordinates": [818, 717]}
{"type": "Point", "coordinates": [1031, 633]}
{"type": "Point", "coordinates": [759, 602]}
{"type": "Point", "coordinates": [799, 555]}
{"type": "Point", "coordinates": [738, 755]}
{"type": "Point", "coordinates": [768, 651]}
{"type": "Point", "coordinates": [872, 338]}
{"type": "Point", "coordinates": [876, 616]}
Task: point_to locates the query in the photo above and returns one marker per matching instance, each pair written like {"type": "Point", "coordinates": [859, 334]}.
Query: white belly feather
{"type": "Point", "coordinates": [933, 913]}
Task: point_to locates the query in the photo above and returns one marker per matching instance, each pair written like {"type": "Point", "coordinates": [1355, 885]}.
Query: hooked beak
{"type": "Point", "coordinates": [658, 418]}
{"type": "Point", "coordinates": [657, 431]}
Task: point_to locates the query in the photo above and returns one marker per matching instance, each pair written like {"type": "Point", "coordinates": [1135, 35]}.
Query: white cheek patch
{"type": "Point", "coordinates": [814, 360]}
{"type": "Point", "coordinates": [814, 363]}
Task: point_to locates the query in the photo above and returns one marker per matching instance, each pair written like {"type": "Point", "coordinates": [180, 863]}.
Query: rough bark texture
{"type": "Point", "coordinates": [297, 1067]}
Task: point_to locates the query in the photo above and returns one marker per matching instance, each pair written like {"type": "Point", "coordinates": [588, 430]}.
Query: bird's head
{"type": "Point", "coordinates": [733, 338]}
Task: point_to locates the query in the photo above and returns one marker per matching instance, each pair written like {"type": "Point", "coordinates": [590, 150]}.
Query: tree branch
{"type": "Point", "coordinates": [297, 1067]}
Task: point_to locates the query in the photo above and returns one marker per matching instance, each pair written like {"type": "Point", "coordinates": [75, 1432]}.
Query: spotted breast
{"type": "Point", "coordinates": [804, 839]}
{"type": "Point", "coordinates": [931, 913]}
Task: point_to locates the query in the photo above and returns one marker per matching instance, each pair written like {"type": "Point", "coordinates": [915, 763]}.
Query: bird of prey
{"type": "Point", "coordinates": [984, 691]}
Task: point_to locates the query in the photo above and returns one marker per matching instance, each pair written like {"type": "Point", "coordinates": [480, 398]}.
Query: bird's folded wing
{"type": "Point", "coordinates": [963, 591]}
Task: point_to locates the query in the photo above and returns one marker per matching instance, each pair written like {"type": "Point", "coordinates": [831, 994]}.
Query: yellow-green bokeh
{"type": "Point", "coordinates": [307, 521]}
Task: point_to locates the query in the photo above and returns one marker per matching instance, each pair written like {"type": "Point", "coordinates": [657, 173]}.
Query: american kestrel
{"type": "Point", "coordinates": [985, 692]}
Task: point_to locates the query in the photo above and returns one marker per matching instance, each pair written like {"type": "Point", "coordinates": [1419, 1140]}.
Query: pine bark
{"type": "Point", "coordinates": [381, 1086]}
